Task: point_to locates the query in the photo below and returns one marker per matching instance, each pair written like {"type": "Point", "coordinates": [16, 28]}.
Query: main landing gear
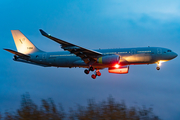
{"type": "Point", "coordinates": [97, 72]}
{"type": "Point", "coordinates": [86, 71]}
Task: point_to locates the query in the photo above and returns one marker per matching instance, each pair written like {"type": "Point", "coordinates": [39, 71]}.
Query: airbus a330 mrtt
{"type": "Point", "coordinates": [116, 60]}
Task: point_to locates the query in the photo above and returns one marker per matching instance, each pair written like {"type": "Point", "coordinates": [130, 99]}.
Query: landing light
{"type": "Point", "coordinates": [117, 66]}
{"type": "Point", "coordinates": [159, 62]}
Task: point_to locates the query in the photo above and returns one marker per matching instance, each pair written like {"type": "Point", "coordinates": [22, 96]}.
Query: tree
{"type": "Point", "coordinates": [28, 109]}
{"type": "Point", "coordinates": [111, 110]}
{"type": "Point", "coordinates": [105, 110]}
{"type": "Point", "coordinates": [49, 110]}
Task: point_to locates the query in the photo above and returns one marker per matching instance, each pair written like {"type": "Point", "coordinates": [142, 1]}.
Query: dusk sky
{"type": "Point", "coordinates": [92, 24]}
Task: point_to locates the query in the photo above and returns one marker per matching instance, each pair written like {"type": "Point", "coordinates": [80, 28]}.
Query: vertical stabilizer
{"type": "Point", "coordinates": [23, 45]}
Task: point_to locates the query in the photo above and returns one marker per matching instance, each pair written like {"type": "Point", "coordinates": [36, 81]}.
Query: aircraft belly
{"type": "Point", "coordinates": [61, 61]}
{"type": "Point", "coordinates": [79, 63]}
{"type": "Point", "coordinates": [65, 61]}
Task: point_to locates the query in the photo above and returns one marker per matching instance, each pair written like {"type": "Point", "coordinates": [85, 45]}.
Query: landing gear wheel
{"type": "Point", "coordinates": [93, 76]}
{"type": "Point", "coordinates": [91, 68]}
{"type": "Point", "coordinates": [98, 73]}
{"type": "Point", "coordinates": [86, 71]}
{"type": "Point", "coordinates": [158, 68]}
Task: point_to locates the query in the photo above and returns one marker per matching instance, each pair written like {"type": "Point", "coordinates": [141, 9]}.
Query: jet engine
{"type": "Point", "coordinates": [109, 59]}
{"type": "Point", "coordinates": [120, 70]}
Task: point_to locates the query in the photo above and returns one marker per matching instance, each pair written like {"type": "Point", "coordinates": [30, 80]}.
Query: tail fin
{"type": "Point", "coordinates": [23, 45]}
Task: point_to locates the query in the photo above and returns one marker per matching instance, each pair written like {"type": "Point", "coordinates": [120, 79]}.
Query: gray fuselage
{"type": "Point", "coordinates": [128, 56]}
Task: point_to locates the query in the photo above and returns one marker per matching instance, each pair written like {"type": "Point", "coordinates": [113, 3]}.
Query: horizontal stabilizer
{"type": "Point", "coordinates": [17, 53]}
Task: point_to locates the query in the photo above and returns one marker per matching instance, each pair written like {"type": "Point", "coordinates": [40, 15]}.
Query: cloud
{"type": "Point", "coordinates": [163, 10]}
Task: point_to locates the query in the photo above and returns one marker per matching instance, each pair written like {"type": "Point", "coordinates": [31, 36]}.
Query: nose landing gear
{"type": "Point", "coordinates": [158, 66]}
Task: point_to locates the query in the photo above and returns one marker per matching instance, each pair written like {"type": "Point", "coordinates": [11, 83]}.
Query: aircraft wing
{"type": "Point", "coordinates": [85, 54]}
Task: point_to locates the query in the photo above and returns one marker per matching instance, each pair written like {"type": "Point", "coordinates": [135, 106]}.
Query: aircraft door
{"type": "Point", "coordinates": [159, 51]}
{"type": "Point", "coordinates": [133, 51]}
{"type": "Point", "coordinates": [44, 57]}
{"type": "Point", "coordinates": [133, 57]}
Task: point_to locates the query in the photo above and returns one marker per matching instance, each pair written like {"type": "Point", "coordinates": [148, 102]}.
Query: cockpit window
{"type": "Point", "coordinates": [169, 51]}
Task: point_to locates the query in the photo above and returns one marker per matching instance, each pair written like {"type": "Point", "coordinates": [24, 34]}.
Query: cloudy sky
{"type": "Point", "coordinates": [92, 24]}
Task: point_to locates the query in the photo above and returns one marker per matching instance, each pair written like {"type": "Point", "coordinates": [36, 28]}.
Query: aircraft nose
{"type": "Point", "coordinates": [174, 55]}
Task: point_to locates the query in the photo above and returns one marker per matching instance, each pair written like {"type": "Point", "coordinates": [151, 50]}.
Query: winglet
{"type": "Point", "coordinates": [44, 33]}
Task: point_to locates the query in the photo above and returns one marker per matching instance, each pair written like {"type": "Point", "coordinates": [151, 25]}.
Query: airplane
{"type": "Point", "coordinates": [116, 60]}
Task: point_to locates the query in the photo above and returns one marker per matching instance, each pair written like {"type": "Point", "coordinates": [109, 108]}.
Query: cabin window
{"type": "Point", "coordinates": [169, 51]}
{"type": "Point", "coordinates": [143, 51]}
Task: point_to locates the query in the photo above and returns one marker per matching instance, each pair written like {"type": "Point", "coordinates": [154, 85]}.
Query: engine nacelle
{"type": "Point", "coordinates": [120, 70]}
{"type": "Point", "coordinates": [109, 59]}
